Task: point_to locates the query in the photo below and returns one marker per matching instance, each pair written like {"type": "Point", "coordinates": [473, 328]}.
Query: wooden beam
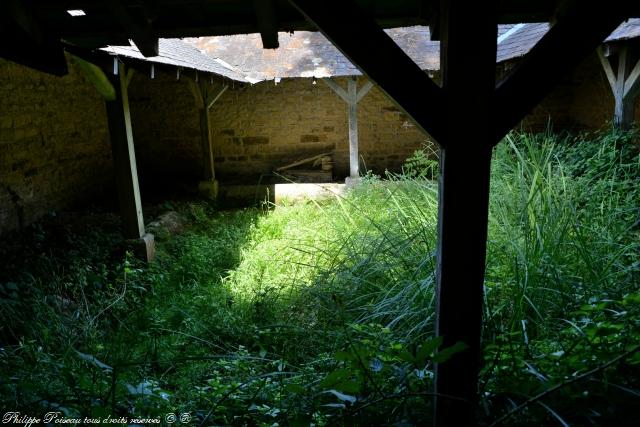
{"type": "Point", "coordinates": [465, 163]}
{"type": "Point", "coordinates": [354, 156]}
{"type": "Point", "coordinates": [632, 83]}
{"type": "Point", "coordinates": [337, 89]}
{"type": "Point", "coordinates": [141, 33]}
{"type": "Point", "coordinates": [608, 70]}
{"type": "Point", "coordinates": [213, 98]}
{"type": "Point", "coordinates": [364, 43]}
{"type": "Point", "coordinates": [124, 158]}
{"type": "Point", "coordinates": [267, 23]}
{"type": "Point", "coordinates": [576, 34]}
{"type": "Point", "coordinates": [364, 90]}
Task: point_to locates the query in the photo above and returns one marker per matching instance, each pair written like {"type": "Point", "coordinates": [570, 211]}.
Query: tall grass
{"type": "Point", "coordinates": [318, 312]}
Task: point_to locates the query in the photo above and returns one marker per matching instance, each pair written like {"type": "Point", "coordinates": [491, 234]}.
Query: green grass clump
{"type": "Point", "coordinates": [322, 312]}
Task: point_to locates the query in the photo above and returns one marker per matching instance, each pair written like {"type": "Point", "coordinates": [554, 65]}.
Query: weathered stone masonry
{"type": "Point", "coordinates": [257, 128]}
{"type": "Point", "coordinates": [55, 151]}
{"type": "Point", "coordinates": [54, 143]}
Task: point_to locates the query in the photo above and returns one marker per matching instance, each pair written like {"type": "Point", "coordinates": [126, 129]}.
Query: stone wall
{"type": "Point", "coordinates": [54, 143]}
{"type": "Point", "coordinates": [261, 127]}
{"type": "Point", "coordinates": [54, 140]}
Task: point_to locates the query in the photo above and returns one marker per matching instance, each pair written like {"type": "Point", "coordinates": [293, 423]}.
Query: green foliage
{"type": "Point", "coordinates": [321, 313]}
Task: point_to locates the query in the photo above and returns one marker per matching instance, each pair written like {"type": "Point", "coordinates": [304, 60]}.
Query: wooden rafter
{"type": "Point", "coordinates": [267, 23]}
{"type": "Point", "coordinates": [141, 33]}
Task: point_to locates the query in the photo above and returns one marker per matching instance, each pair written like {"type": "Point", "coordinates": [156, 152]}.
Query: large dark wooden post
{"type": "Point", "coordinates": [124, 162]}
{"type": "Point", "coordinates": [468, 78]}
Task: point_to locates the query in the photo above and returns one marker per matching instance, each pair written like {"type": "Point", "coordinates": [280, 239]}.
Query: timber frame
{"type": "Point", "coordinates": [205, 97]}
{"type": "Point", "coordinates": [351, 96]}
{"type": "Point", "coordinates": [468, 115]}
{"type": "Point", "coordinates": [625, 82]}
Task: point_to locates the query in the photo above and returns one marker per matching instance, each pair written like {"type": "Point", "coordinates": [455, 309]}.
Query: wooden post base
{"type": "Point", "coordinates": [208, 189]}
{"type": "Point", "coordinates": [143, 248]}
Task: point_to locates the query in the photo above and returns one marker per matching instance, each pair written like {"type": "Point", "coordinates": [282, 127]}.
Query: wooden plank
{"type": "Point", "coordinates": [606, 66]}
{"type": "Point", "coordinates": [337, 89]}
{"type": "Point", "coordinates": [465, 162]}
{"type": "Point", "coordinates": [357, 35]}
{"type": "Point", "coordinates": [570, 40]}
{"type": "Point", "coordinates": [354, 158]}
{"type": "Point", "coordinates": [124, 158]}
{"type": "Point", "coordinates": [364, 90]}
{"type": "Point", "coordinates": [267, 23]}
{"type": "Point", "coordinates": [302, 162]}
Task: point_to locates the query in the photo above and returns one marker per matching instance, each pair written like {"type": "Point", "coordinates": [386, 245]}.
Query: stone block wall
{"type": "Point", "coordinates": [258, 128]}
{"type": "Point", "coordinates": [54, 143]}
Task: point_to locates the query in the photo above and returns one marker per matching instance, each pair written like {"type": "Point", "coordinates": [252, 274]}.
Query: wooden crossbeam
{"type": "Point", "coordinates": [267, 23]}
{"type": "Point", "coordinates": [608, 70]}
{"type": "Point", "coordinates": [141, 34]}
{"type": "Point", "coordinates": [363, 42]}
{"type": "Point", "coordinates": [364, 90]}
{"type": "Point", "coordinates": [632, 83]}
{"type": "Point", "coordinates": [337, 89]}
{"type": "Point", "coordinates": [576, 34]}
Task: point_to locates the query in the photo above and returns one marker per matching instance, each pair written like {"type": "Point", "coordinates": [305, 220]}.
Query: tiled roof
{"type": "Point", "coordinates": [519, 42]}
{"type": "Point", "coordinates": [310, 54]}
{"type": "Point", "coordinates": [180, 54]}
{"type": "Point", "coordinates": [522, 40]}
{"type": "Point", "coordinates": [628, 30]}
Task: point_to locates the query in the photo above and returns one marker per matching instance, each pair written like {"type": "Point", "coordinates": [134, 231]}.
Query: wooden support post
{"type": "Point", "coordinates": [354, 161]}
{"type": "Point", "coordinates": [625, 84]}
{"type": "Point", "coordinates": [205, 98]}
{"type": "Point", "coordinates": [351, 96]}
{"type": "Point", "coordinates": [124, 161]}
{"type": "Point", "coordinates": [465, 164]}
